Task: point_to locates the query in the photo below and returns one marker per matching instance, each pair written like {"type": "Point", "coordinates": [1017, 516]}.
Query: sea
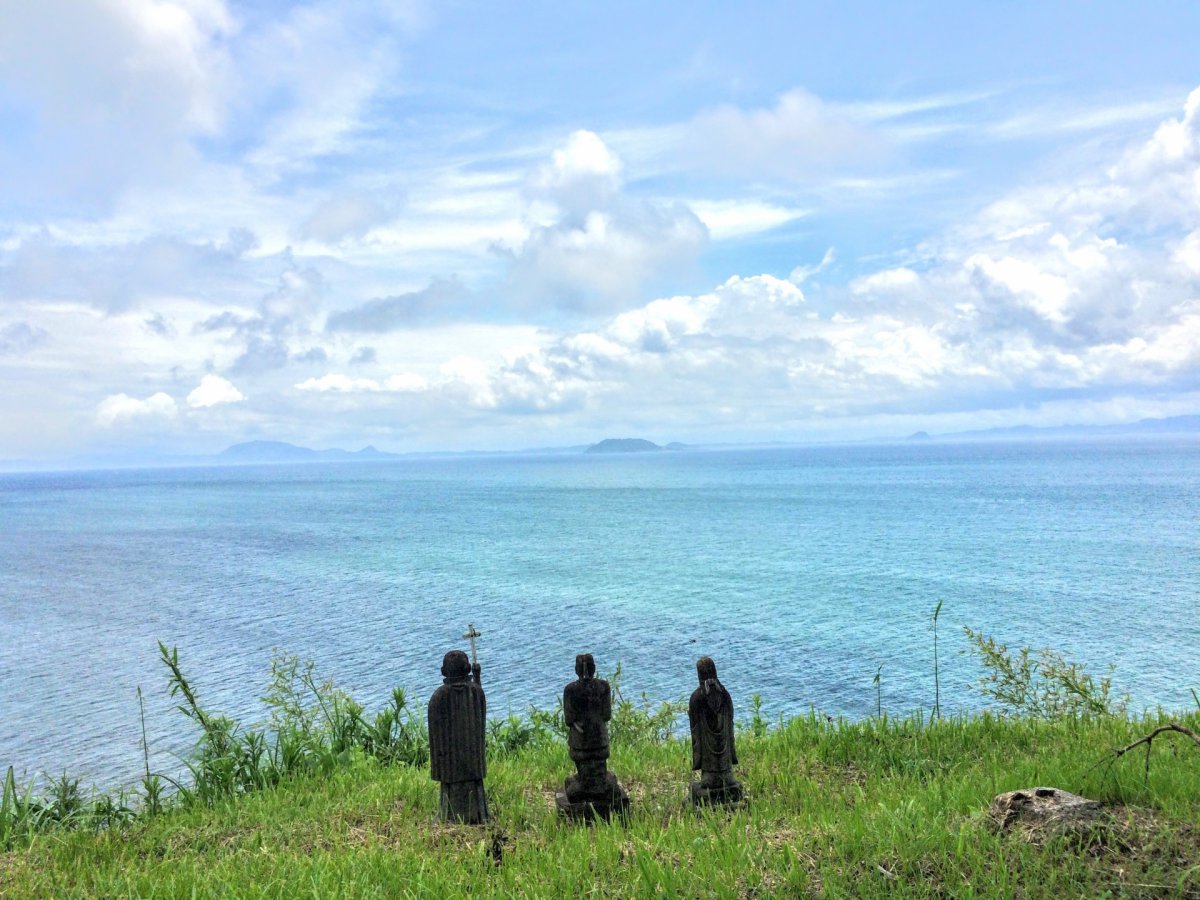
{"type": "Point", "coordinates": [805, 572]}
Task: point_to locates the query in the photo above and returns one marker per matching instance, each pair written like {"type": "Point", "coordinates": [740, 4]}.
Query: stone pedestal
{"type": "Point", "coordinates": [715, 789]}
{"type": "Point", "coordinates": [586, 801]}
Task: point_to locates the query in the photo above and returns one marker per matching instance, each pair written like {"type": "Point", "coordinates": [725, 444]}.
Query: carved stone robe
{"type": "Point", "coordinates": [457, 730]}
{"type": "Point", "coordinates": [587, 707]}
{"type": "Point", "coordinates": [710, 713]}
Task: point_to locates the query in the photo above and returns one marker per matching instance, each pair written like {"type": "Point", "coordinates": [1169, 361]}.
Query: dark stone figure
{"type": "Point", "coordinates": [457, 725]}
{"type": "Point", "coordinates": [587, 706]}
{"type": "Point", "coordinates": [714, 754]}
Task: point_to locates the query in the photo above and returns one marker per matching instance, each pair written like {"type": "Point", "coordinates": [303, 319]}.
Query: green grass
{"type": "Point", "coordinates": [877, 807]}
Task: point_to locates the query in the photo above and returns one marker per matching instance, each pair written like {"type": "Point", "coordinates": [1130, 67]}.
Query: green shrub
{"type": "Point", "coordinates": [1042, 683]}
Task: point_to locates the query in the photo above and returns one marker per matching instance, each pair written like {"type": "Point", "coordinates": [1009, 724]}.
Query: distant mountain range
{"type": "Point", "coordinates": [280, 451]}
{"type": "Point", "coordinates": [271, 452]}
{"type": "Point", "coordinates": [1171, 425]}
{"type": "Point", "coordinates": [260, 452]}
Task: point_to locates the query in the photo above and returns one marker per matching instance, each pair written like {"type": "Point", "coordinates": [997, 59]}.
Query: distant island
{"type": "Point", "coordinates": [623, 445]}
{"type": "Point", "coordinates": [283, 452]}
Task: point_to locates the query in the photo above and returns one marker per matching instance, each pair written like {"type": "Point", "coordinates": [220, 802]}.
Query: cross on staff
{"type": "Point", "coordinates": [470, 636]}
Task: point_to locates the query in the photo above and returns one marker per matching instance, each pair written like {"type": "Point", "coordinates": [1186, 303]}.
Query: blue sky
{"type": "Point", "coordinates": [453, 226]}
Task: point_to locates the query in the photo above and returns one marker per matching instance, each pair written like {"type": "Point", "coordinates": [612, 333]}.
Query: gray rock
{"type": "Point", "coordinates": [1045, 809]}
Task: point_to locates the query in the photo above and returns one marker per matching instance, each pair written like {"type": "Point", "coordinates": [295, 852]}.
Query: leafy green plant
{"type": "Point", "coordinates": [394, 737]}
{"type": "Point", "coordinates": [314, 726]}
{"type": "Point", "coordinates": [514, 734]}
{"type": "Point", "coordinates": [110, 811]}
{"type": "Point", "coordinates": [758, 724]}
{"type": "Point", "coordinates": [19, 812]}
{"type": "Point", "coordinates": [1042, 683]}
{"type": "Point", "coordinates": [641, 721]}
{"type": "Point", "coordinates": [65, 802]}
{"type": "Point", "coordinates": [287, 697]}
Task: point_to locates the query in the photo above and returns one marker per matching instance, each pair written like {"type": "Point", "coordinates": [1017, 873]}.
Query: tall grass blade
{"type": "Point", "coordinates": [878, 682]}
{"type": "Point", "coordinates": [937, 683]}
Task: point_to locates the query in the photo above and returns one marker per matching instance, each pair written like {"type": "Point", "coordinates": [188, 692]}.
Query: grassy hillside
{"type": "Point", "coordinates": [878, 807]}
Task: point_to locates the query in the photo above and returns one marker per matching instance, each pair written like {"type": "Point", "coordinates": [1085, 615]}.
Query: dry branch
{"type": "Point", "coordinates": [1148, 741]}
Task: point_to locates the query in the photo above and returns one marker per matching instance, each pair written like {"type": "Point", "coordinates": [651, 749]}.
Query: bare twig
{"type": "Point", "coordinates": [1148, 740]}
{"type": "Point", "coordinates": [1170, 726]}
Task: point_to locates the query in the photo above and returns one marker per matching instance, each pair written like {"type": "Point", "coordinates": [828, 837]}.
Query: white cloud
{"type": "Point", "coordinates": [604, 260]}
{"type": "Point", "coordinates": [738, 218]}
{"type": "Point", "coordinates": [440, 300]}
{"type": "Point", "coordinates": [401, 383]}
{"type": "Point", "coordinates": [692, 343]}
{"type": "Point", "coordinates": [1187, 252]}
{"type": "Point", "coordinates": [1042, 293]}
{"type": "Point", "coordinates": [20, 337]}
{"type": "Point", "coordinates": [330, 59]}
{"type": "Point", "coordinates": [887, 281]}
{"type": "Point", "coordinates": [582, 175]}
{"type": "Point", "coordinates": [338, 382]}
{"type": "Point", "coordinates": [1052, 119]}
{"type": "Point", "coordinates": [270, 207]}
{"type": "Point", "coordinates": [794, 139]}
{"type": "Point", "coordinates": [213, 390]}
{"type": "Point", "coordinates": [43, 266]}
{"type": "Point", "coordinates": [599, 248]}
{"type": "Point", "coordinates": [116, 409]}
{"type": "Point", "coordinates": [119, 88]}
{"type": "Point", "coordinates": [344, 216]}
{"type": "Point", "coordinates": [1024, 283]}
{"type": "Point", "coordinates": [1089, 288]}
{"type": "Point", "coordinates": [802, 273]}
{"type": "Point", "coordinates": [405, 382]}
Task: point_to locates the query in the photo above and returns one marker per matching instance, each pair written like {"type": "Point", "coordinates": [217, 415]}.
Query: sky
{"type": "Point", "coordinates": [454, 226]}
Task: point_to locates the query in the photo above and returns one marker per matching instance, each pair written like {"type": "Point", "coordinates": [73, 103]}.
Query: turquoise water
{"type": "Point", "coordinates": [799, 570]}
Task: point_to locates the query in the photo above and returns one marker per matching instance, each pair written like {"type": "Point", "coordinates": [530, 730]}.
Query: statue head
{"type": "Point", "coordinates": [706, 669]}
{"type": "Point", "coordinates": [455, 664]}
{"type": "Point", "coordinates": [585, 665]}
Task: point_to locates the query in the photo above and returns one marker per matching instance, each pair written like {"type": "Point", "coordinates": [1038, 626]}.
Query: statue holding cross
{"type": "Point", "coordinates": [457, 729]}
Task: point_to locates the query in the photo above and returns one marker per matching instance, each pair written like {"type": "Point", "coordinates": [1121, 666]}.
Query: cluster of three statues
{"type": "Point", "coordinates": [458, 724]}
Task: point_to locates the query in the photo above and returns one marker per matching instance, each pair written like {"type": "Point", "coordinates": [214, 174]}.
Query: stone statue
{"type": "Point", "coordinates": [587, 706]}
{"type": "Point", "coordinates": [457, 725]}
{"type": "Point", "coordinates": [714, 754]}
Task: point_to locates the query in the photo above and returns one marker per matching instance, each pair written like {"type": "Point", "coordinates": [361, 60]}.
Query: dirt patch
{"type": "Point", "coordinates": [12, 867]}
